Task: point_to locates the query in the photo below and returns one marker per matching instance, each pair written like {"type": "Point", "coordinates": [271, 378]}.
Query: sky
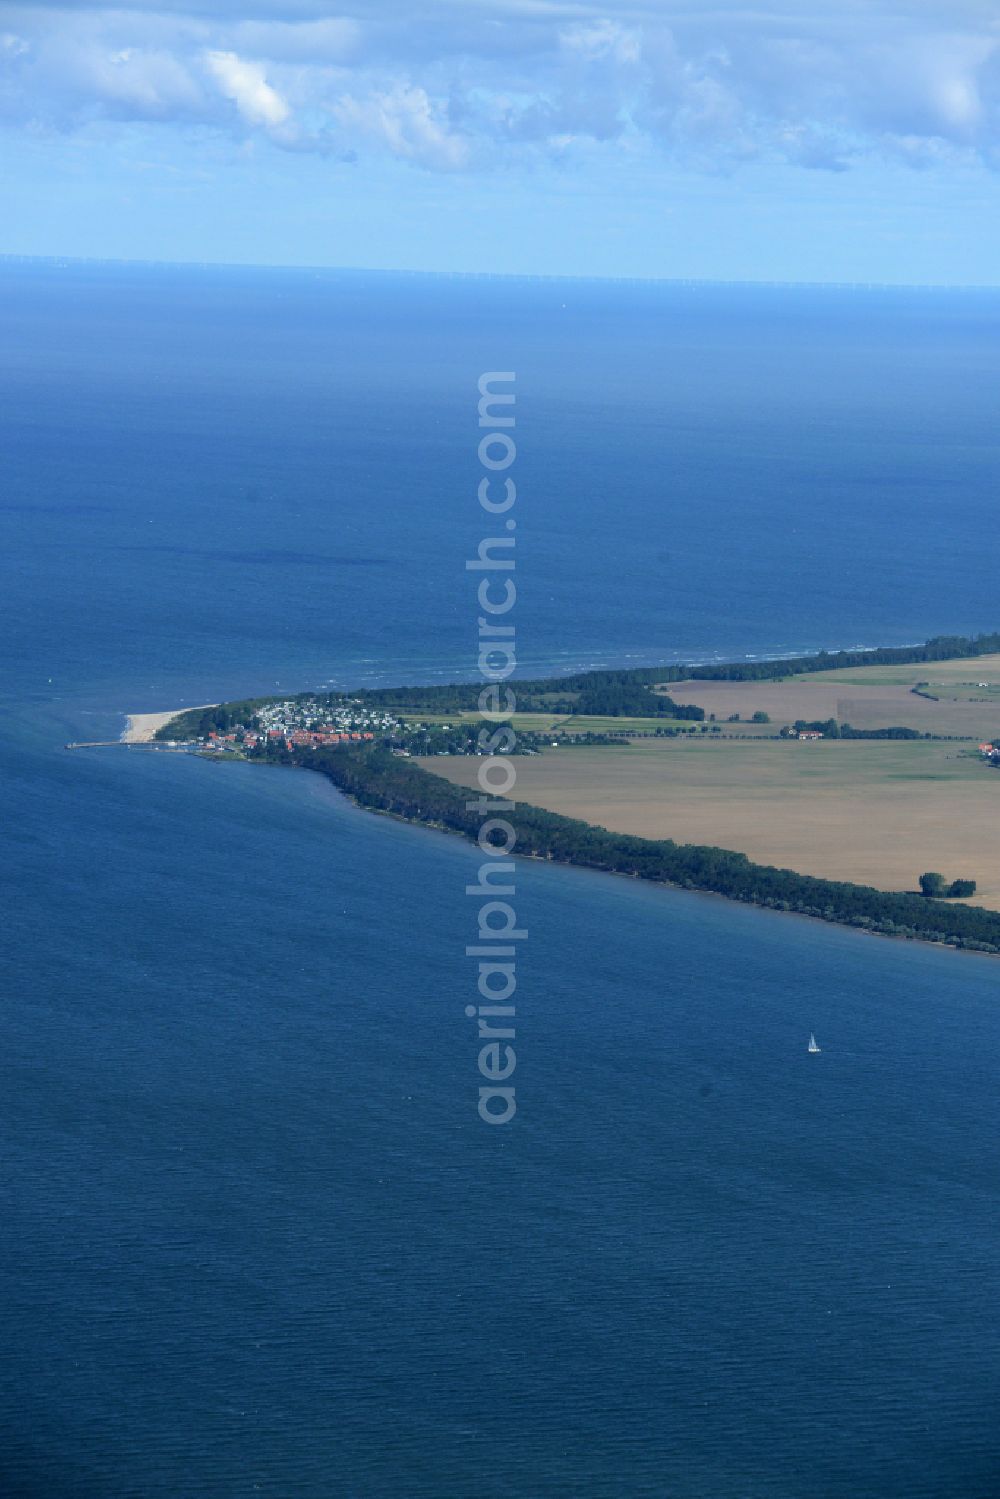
{"type": "Point", "coordinates": [841, 140]}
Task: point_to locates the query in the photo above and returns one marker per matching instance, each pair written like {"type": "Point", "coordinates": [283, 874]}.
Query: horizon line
{"type": "Point", "coordinates": [13, 258]}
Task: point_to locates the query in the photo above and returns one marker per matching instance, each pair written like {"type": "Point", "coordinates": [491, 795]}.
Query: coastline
{"type": "Point", "coordinates": [619, 874]}
{"type": "Point", "coordinates": [410, 795]}
{"type": "Point", "coordinates": [370, 798]}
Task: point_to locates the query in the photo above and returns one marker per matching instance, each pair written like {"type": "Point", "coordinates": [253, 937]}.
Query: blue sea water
{"type": "Point", "coordinates": [256, 1238]}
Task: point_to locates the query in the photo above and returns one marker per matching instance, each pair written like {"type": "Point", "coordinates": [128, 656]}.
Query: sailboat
{"type": "Point", "coordinates": [812, 1045]}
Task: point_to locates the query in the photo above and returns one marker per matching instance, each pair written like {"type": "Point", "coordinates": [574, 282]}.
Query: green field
{"type": "Point", "coordinates": [545, 723]}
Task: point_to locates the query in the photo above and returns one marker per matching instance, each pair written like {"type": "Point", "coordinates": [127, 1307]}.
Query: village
{"type": "Point", "coordinates": [302, 723]}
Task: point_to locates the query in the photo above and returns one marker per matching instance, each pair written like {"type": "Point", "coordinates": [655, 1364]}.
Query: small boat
{"type": "Point", "coordinates": [812, 1045]}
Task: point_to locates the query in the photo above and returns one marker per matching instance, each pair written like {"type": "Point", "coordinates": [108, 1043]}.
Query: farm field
{"type": "Point", "coordinates": [867, 697]}
{"type": "Point", "coordinates": [873, 812]}
{"type": "Point", "coordinates": [944, 673]}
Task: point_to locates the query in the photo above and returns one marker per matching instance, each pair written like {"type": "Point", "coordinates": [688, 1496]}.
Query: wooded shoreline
{"type": "Point", "coordinates": [379, 780]}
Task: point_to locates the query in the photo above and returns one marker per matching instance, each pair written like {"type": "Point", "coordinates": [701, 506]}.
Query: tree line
{"type": "Point", "coordinates": [581, 691]}
{"type": "Point", "coordinates": [831, 729]}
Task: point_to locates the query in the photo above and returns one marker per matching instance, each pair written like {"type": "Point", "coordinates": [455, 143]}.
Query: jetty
{"type": "Point", "coordinates": [118, 744]}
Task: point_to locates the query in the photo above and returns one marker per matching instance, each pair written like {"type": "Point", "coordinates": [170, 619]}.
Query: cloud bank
{"type": "Point", "coordinates": [478, 84]}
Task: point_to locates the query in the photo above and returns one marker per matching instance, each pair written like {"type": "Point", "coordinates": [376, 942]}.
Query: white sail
{"type": "Point", "coordinates": [812, 1044]}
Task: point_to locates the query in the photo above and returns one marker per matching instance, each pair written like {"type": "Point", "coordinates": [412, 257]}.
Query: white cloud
{"type": "Point", "coordinates": [150, 83]}
{"type": "Point", "coordinates": [404, 121]}
{"type": "Point", "coordinates": [820, 85]}
{"type": "Point", "coordinates": [602, 41]}
{"type": "Point", "coordinates": [940, 81]}
{"type": "Point", "coordinates": [245, 84]}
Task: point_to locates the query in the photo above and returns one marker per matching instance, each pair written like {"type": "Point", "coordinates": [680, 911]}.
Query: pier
{"type": "Point", "coordinates": [99, 744]}
{"type": "Point", "coordinates": [118, 744]}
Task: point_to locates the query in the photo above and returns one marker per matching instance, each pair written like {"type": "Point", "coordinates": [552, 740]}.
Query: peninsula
{"type": "Point", "coordinates": [835, 785]}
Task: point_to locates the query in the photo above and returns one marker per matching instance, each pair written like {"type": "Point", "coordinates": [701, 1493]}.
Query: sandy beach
{"type": "Point", "coordinates": [140, 728]}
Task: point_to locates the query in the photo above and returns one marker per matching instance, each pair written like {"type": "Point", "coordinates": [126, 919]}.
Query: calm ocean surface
{"type": "Point", "coordinates": [256, 1239]}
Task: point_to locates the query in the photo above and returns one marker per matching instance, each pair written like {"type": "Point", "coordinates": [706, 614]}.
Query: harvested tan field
{"type": "Point", "coordinates": [864, 705]}
{"type": "Point", "coordinates": [876, 813]}
{"type": "Point", "coordinates": [943, 673]}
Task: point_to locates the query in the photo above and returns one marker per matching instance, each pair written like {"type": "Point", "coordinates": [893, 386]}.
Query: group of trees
{"type": "Point", "coordinates": [831, 729]}
{"type": "Point", "coordinates": [559, 695]}
{"type": "Point", "coordinates": [387, 783]}
{"type": "Point", "coordinates": [935, 885]}
{"type": "Point", "coordinates": [632, 701]}
{"type": "Point", "coordinates": [196, 723]}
